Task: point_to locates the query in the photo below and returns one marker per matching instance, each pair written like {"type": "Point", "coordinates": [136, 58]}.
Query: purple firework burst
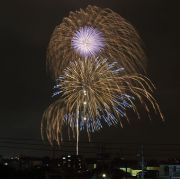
{"type": "Point", "coordinates": [88, 41]}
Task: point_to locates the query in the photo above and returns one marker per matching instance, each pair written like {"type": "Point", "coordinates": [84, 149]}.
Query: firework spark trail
{"type": "Point", "coordinates": [97, 60]}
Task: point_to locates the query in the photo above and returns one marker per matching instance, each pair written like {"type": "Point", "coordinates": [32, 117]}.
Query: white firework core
{"type": "Point", "coordinates": [87, 41]}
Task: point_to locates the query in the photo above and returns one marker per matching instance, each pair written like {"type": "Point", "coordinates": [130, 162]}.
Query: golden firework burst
{"type": "Point", "coordinates": [117, 40]}
{"type": "Point", "coordinates": [99, 93]}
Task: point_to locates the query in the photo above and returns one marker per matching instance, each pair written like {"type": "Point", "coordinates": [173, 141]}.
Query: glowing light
{"type": "Point", "coordinates": [104, 175]}
{"type": "Point", "coordinates": [87, 41]}
{"type": "Point", "coordinates": [85, 93]}
{"type": "Point", "coordinates": [6, 164]}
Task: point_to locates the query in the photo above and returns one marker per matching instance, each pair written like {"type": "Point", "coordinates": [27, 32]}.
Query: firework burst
{"type": "Point", "coordinates": [97, 60]}
{"type": "Point", "coordinates": [110, 37]}
{"type": "Point", "coordinates": [100, 93]}
{"type": "Point", "coordinates": [87, 41]}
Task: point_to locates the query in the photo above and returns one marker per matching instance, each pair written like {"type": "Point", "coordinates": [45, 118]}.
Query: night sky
{"type": "Point", "coordinates": [25, 30]}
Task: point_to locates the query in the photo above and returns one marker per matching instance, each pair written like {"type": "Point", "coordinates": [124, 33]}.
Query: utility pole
{"type": "Point", "coordinates": [53, 152]}
{"type": "Point", "coordinates": [142, 161]}
{"type": "Point", "coordinates": [126, 170]}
